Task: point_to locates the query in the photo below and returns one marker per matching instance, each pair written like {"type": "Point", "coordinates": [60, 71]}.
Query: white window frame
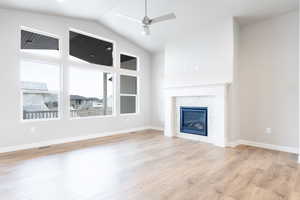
{"type": "Point", "coordinates": [27, 53]}
{"type": "Point", "coordinates": [74, 62]}
{"type": "Point", "coordinates": [43, 59]}
{"type": "Point", "coordinates": [128, 70]}
{"type": "Point", "coordinates": [134, 73]}
{"type": "Point", "coordinates": [79, 61]}
{"type": "Point", "coordinates": [137, 96]}
{"type": "Point", "coordinates": [83, 66]}
{"type": "Point", "coordinates": [64, 61]}
{"type": "Point", "coordinates": [25, 56]}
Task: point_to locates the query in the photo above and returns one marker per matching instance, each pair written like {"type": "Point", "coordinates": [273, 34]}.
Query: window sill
{"type": "Point", "coordinates": [129, 114]}
{"type": "Point", "coordinates": [92, 117]}
{"type": "Point", "coordinates": [39, 120]}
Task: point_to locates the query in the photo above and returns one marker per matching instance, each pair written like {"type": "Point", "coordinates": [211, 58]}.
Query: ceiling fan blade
{"type": "Point", "coordinates": [130, 18]}
{"type": "Point", "coordinates": [163, 18]}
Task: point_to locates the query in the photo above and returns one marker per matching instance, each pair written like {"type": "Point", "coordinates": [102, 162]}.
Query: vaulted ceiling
{"type": "Point", "coordinates": [190, 13]}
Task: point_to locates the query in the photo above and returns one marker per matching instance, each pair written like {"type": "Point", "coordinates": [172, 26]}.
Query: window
{"type": "Point", "coordinates": [91, 92]}
{"type": "Point", "coordinates": [91, 76]}
{"type": "Point", "coordinates": [91, 50]}
{"type": "Point", "coordinates": [40, 80]}
{"type": "Point", "coordinates": [40, 86]}
{"type": "Point", "coordinates": [39, 44]}
{"type": "Point", "coordinates": [128, 104]}
{"type": "Point", "coordinates": [128, 62]}
{"type": "Point", "coordinates": [128, 99]}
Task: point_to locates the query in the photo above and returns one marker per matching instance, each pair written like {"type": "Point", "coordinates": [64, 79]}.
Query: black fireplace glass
{"type": "Point", "coordinates": [193, 120]}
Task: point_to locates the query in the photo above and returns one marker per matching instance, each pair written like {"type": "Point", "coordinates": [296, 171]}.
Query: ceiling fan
{"type": "Point", "coordinates": [146, 22]}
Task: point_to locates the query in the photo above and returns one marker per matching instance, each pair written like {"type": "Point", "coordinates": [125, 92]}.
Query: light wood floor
{"type": "Point", "coordinates": [148, 166]}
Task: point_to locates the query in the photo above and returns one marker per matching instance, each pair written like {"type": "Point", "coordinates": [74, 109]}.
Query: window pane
{"type": "Point", "coordinates": [40, 84]}
{"type": "Point", "coordinates": [128, 104]}
{"type": "Point", "coordinates": [128, 62]}
{"type": "Point", "coordinates": [37, 43]}
{"type": "Point", "coordinates": [90, 49]}
{"type": "Point", "coordinates": [128, 84]}
{"type": "Point", "coordinates": [91, 93]}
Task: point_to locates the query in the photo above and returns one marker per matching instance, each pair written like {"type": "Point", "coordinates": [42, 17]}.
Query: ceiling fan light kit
{"type": "Point", "coordinates": [146, 30]}
{"type": "Point", "coordinates": [147, 21]}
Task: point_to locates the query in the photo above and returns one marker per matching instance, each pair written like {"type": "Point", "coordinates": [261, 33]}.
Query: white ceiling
{"type": "Point", "coordinates": [189, 13]}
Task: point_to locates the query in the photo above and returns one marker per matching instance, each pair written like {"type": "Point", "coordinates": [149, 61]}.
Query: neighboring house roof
{"type": "Point", "coordinates": [94, 99]}
{"type": "Point", "coordinates": [37, 86]}
{"type": "Point", "coordinates": [78, 97]}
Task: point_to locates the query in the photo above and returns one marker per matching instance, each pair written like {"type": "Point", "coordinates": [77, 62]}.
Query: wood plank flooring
{"type": "Point", "coordinates": [148, 166]}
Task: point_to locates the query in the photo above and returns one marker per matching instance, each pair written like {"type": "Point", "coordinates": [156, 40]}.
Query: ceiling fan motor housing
{"type": "Point", "coordinates": [147, 20]}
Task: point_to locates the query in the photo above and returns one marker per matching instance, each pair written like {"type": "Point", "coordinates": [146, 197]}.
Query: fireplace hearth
{"type": "Point", "coordinates": [193, 120]}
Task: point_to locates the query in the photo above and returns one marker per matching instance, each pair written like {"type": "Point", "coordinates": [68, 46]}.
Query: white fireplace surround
{"type": "Point", "coordinates": [203, 102]}
{"type": "Point", "coordinates": [217, 127]}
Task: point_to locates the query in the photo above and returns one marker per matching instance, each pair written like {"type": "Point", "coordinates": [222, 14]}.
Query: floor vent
{"type": "Point", "coordinates": [44, 147]}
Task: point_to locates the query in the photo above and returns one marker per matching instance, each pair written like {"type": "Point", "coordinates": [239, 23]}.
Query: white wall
{"type": "Point", "coordinates": [268, 80]}
{"type": "Point", "coordinates": [263, 75]}
{"type": "Point", "coordinates": [12, 131]}
{"type": "Point", "coordinates": [203, 55]}
{"type": "Point", "coordinates": [233, 93]}
{"type": "Point", "coordinates": [157, 97]}
{"type": "Point", "coordinates": [299, 82]}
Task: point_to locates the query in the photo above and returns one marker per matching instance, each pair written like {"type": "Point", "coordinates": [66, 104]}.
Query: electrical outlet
{"type": "Point", "coordinates": [268, 131]}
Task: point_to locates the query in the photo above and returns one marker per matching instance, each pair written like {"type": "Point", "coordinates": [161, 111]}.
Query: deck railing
{"type": "Point", "coordinates": [74, 113]}
{"type": "Point", "coordinates": [32, 115]}
{"type": "Point", "coordinates": [40, 115]}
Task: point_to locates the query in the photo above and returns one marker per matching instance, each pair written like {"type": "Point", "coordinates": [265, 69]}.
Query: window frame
{"type": "Point", "coordinates": [103, 68]}
{"type": "Point", "coordinates": [24, 56]}
{"type": "Point", "coordinates": [134, 73]}
{"type": "Point", "coordinates": [90, 66]}
{"type": "Point", "coordinates": [37, 31]}
{"type": "Point", "coordinates": [64, 61]}
{"type": "Point", "coordinates": [137, 96]}
{"type": "Point", "coordinates": [79, 61]}
{"type": "Point", "coordinates": [137, 63]}
{"type": "Point", "coordinates": [59, 92]}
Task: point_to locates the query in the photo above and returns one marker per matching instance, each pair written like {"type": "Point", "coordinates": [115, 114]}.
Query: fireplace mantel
{"type": "Point", "coordinates": [216, 91]}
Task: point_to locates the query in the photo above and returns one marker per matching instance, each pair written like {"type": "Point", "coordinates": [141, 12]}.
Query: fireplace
{"type": "Point", "coordinates": [212, 97]}
{"type": "Point", "coordinates": [193, 120]}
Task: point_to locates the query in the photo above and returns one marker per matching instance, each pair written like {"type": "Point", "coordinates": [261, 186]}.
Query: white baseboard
{"type": "Point", "coordinates": [98, 135]}
{"type": "Point", "coordinates": [233, 144]}
{"type": "Point", "coordinates": [68, 140]}
{"type": "Point", "coordinates": [299, 159]}
{"type": "Point", "coordinates": [157, 128]}
{"type": "Point", "coordinates": [264, 146]}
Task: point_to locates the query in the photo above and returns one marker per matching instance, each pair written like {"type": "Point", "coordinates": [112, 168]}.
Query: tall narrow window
{"type": "Point", "coordinates": [128, 62]}
{"type": "Point", "coordinates": [91, 50]}
{"type": "Point", "coordinates": [128, 96]}
{"type": "Point", "coordinates": [40, 84]}
{"type": "Point", "coordinates": [91, 93]}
